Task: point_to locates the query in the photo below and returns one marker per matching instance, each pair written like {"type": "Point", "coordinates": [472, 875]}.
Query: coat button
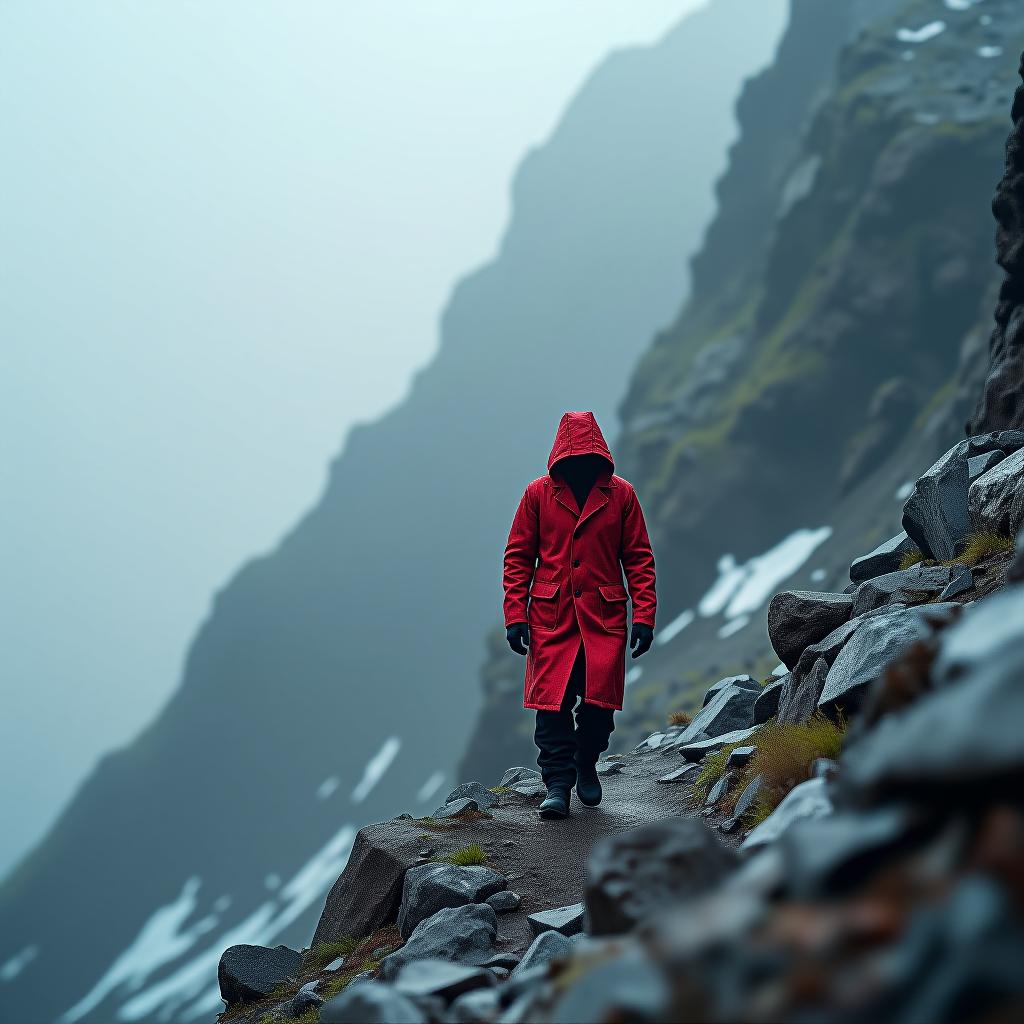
{"type": "Point", "coordinates": [576, 564]}
{"type": "Point", "coordinates": [579, 592]}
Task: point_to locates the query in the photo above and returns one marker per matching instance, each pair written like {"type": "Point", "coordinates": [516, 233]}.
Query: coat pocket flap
{"type": "Point", "coordinates": [544, 590]}
{"type": "Point", "coordinates": [613, 592]}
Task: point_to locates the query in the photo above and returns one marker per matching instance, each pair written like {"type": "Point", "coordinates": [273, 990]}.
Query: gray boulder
{"type": "Point", "coordinates": [566, 920]}
{"type": "Point", "coordinates": [519, 774]}
{"type": "Point", "coordinates": [463, 934]}
{"type": "Point", "coordinates": [249, 972]}
{"type": "Point", "coordinates": [631, 875]}
{"type": "Point", "coordinates": [609, 767]}
{"type": "Point", "coordinates": [699, 749]}
{"type": "Point", "coordinates": [731, 708]}
{"type": "Point", "coordinates": [767, 703]}
{"type": "Point", "coordinates": [546, 946]}
{"type": "Point", "coordinates": [429, 888]}
{"type": "Point", "coordinates": [744, 681]}
{"type": "Point", "coordinates": [905, 586]}
{"type": "Point", "coordinates": [960, 583]}
{"type": "Point", "coordinates": [808, 800]}
{"type": "Point", "coordinates": [687, 773]}
{"type": "Point", "coordinates": [740, 756]}
{"type": "Point", "coordinates": [799, 618]}
{"type": "Point", "coordinates": [720, 788]}
{"type": "Point", "coordinates": [304, 1000]}
{"type": "Point", "coordinates": [370, 1002]}
{"type": "Point", "coordinates": [885, 558]}
{"type": "Point", "coordinates": [968, 731]}
{"type": "Point", "coordinates": [456, 807]}
{"type": "Point", "coordinates": [441, 978]}
{"type": "Point", "coordinates": [479, 1006]}
{"type": "Point", "coordinates": [747, 799]}
{"type": "Point", "coordinates": [529, 788]}
{"type": "Point", "coordinates": [473, 791]}
{"type": "Point", "coordinates": [878, 641]}
{"type": "Point", "coordinates": [801, 694]}
{"type": "Point", "coordinates": [935, 515]}
{"type": "Point", "coordinates": [827, 648]}
{"type": "Point", "coordinates": [996, 498]}
{"type": "Point", "coordinates": [504, 901]}
{"type": "Point", "coordinates": [978, 464]}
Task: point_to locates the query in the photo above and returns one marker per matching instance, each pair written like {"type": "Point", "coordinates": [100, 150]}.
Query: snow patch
{"type": "Point", "coordinates": [818, 575]}
{"type": "Point", "coordinates": [922, 34]}
{"type": "Point", "coordinates": [327, 787]}
{"type": "Point", "coordinates": [733, 626]}
{"type": "Point", "coordinates": [730, 578]}
{"type": "Point", "coordinates": [634, 674]}
{"type": "Point", "coordinates": [960, 5]}
{"type": "Point", "coordinates": [430, 787]}
{"type": "Point", "coordinates": [990, 51]}
{"type": "Point", "coordinates": [194, 983]}
{"type": "Point", "coordinates": [905, 490]}
{"type": "Point", "coordinates": [375, 768]}
{"type": "Point", "coordinates": [17, 963]}
{"type": "Point", "coordinates": [675, 627]}
{"type": "Point", "coordinates": [161, 939]}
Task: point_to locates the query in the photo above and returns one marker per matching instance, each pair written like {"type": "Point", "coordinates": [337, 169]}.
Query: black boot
{"type": "Point", "coordinates": [588, 785]}
{"type": "Point", "coordinates": [556, 803]}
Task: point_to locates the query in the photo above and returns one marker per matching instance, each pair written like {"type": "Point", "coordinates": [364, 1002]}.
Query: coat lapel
{"type": "Point", "coordinates": [565, 497]}
{"type": "Point", "coordinates": [596, 500]}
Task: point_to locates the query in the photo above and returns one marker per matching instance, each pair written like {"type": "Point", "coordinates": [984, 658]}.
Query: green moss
{"type": "Point", "coordinates": [316, 959]}
{"type": "Point", "coordinates": [981, 545]}
{"type": "Point", "coordinates": [472, 854]}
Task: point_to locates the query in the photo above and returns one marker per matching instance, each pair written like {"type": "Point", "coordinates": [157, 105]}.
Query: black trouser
{"type": "Point", "coordinates": [561, 747]}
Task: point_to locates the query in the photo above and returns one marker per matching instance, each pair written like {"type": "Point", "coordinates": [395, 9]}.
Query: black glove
{"type": "Point", "coordinates": [641, 638]}
{"type": "Point", "coordinates": [518, 636]}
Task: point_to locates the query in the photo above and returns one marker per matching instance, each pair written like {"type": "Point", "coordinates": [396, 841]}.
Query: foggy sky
{"type": "Point", "coordinates": [226, 233]}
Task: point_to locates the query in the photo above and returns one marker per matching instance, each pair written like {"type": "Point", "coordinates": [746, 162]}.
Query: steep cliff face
{"type": "Point", "coordinates": [334, 680]}
{"type": "Point", "coordinates": [1002, 401]}
{"type": "Point", "coordinates": [846, 278]}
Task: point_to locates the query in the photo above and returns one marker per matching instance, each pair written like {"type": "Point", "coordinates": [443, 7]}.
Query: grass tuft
{"type": "Point", "coordinates": [679, 718]}
{"type": "Point", "coordinates": [981, 545]}
{"type": "Point", "coordinates": [911, 558]}
{"type": "Point", "coordinates": [468, 855]}
{"type": "Point", "coordinates": [315, 960]}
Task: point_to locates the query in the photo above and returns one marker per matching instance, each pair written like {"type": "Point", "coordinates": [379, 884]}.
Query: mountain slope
{"type": "Point", "coordinates": [330, 671]}
{"type": "Point", "coordinates": [846, 277]}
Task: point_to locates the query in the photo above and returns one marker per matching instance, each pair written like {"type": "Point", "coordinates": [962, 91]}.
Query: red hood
{"type": "Point", "coordinates": [579, 434]}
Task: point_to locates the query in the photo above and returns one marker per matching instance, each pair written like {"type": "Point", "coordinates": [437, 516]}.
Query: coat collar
{"type": "Point", "coordinates": [596, 499]}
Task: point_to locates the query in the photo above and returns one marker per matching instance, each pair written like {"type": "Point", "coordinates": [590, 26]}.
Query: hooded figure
{"type": "Point", "coordinates": [575, 533]}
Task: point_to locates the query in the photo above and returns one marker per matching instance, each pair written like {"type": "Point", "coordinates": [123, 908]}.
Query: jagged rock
{"type": "Point", "coordinates": [479, 1006]}
{"type": "Point", "coordinates": [546, 946]}
{"type": "Point", "coordinates": [767, 703]}
{"type": "Point", "coordinates": [749, 796]}
{"type": "Point", "coordinates": [720, 788]}
{"type": "Point", "coordinates": [744, 681]}
{"type": "Point", "coordinates": [429, 888]}
{"type": "Point", "coordinates": [884, 559]}
{"type": "Point", "coordinates": [978, 464]}
{"type": "Point", "coordinates": [249, 972]}
{"type": "Point", "coordinates": [828, 856]}
{"type": "Point", "coordinates": [529, 788]}
{"type": "Point", "coordinates": [456, 807]}
{"type": "Point", "coordinates": [629, 876]}
{"type": "Point", "coordinates": [687, 773]}
{"type": "Point", "coordinates": [509, 961]}
{"type": "Point", "coordinates": [304, 1000]}
{"type": "Point", "coordinates": [504, 901]}
{"type": "Point", "coordinates": [652, 742]}
{"type": "Point", "coordinates": [367, 894]}
{"type": "Point", "coordinates": [441, 978]}
{"type": "Point", "coordinates": [474, 791]}
{"type": "Point", "coordinates": [960, 583]}
{"type": "Point", "coordinates": [827, 648]}
{"type": "Point", "coordinates": [799, 618]}
{"type": "Point", "coordinates": [935, 515]}
{"type": "Point", "coordinates": [779, 671]}
{"type": "Point", "coordinates": [609, 767]}
{"type": "Point", "coordinates": [901, 586]}
{"type": "Point", "coordinates": [808, 800]}
{"type": "Point", "coordinates": [701, 748]}
{"type": "Point", "coordinates": [967, 732]}
{"type": "Point", "coordinates": [463, 934]}
{"type": "Point", "coordinates": [800, 696]}
{"type": "Point", "coordinates": [519, 774]}
{"type": "Point", "coordinates": [370, 1002]}
{"type": "Point", "coordinates": [625, 986]}
{"type": "Point", "coordinates": [731, 708]}
{"type": "Point", "coordinates": [997, 497]}
{"type": "Point", "coordinates": [566, 920]}
{"type": "Point", "coordinates": [878, 641]}
{"type": "Point", "coordinates": [740, 756]}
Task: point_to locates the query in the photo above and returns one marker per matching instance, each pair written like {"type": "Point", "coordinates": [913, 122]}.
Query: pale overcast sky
{"type": "Point", "coordinates": [226, 232]}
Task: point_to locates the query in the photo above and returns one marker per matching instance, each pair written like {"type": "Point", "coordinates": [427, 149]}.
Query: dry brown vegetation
{"type": "Point", "coordinates": [679, 718]}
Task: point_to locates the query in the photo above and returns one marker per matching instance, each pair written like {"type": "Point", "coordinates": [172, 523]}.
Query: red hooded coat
{"type": "Point", "coordinates": [569, 565]}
